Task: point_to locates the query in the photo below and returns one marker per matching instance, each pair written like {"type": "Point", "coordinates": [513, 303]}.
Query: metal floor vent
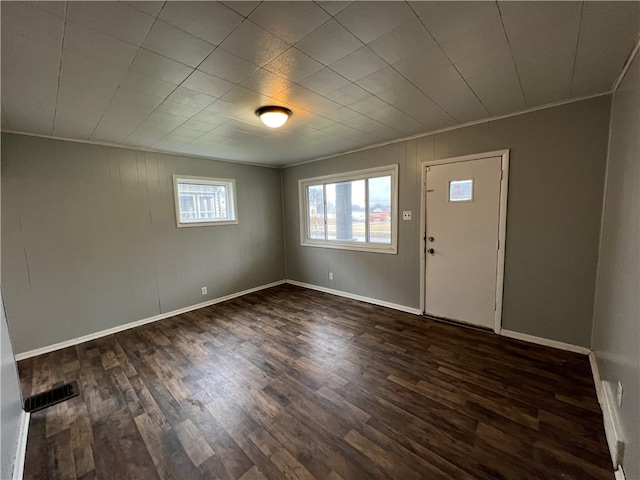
{"type": "Point", "coordinates": [51, 397]}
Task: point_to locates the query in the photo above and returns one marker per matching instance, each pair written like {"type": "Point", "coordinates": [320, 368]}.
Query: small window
{"type": "Point", "coordinates": [351, 211]}
{"type": "Point", "coordinates": [461, 191]}
{"type": "Point", "coordinates": [202, 201]}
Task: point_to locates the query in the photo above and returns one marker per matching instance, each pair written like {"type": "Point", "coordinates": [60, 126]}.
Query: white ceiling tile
{"type": "Point", "coordinates": [31, 56]}
{"type": "Point", "coordinates": [225, 65]}
{"type": "Point", "coordinates": [341, 114]}
{"type": "Point", "coordinates": [186, 133]}
{"type": "Point", "coordinates": [324, 81]}
{"type": "Point", "coordinates": [449, 90]}
{"type": "Point", "coordinates": [358, 64]}
{"type": "Point", "coordinates": [368, 104]}
{"type": "Point", "coordinates": [85, 72]}
{"type": "Point", "coordinates": [417, 105]}
{"type": "Point", "coordinates": [391, 116]}
{"type": "Point", "coordinates": [294, 65]}
{"type": "Point", "coordinates": [147, 6]}
{"type": "Point", "coordinates": [405, 41]}
{"type": "Point", "coordinates": [381, 80]}
{"type": "Point", "coordinates": [484, 37]}
{"type": "Point", "coordinates": [52, 8]}
{"type": "Point", "coordinates": [139, 82]}
{"type": "Point", "coordinates": [99, 46]}
{"type": "Point", "coordinates": [266, 83]}
{"type": "Point", "coordinates": [24, 26]}
{"type": "Point", "coordinates": [243, 7]}
{"type": "Point", "coordinates": [178, 109]}
{"type": "Point", "coordinates": [115, 19]}
{"type": "Point", "coordinates": [308, 100]}
{"type": "Point", "coordinates": [493, 77]}
{"type": "Point", "coordinates": [210, 118]}
{"type": "Point", "coordinates": [348, 94]}
{"type": "Point", "coordinates": [190, 97]}
{"type": "Point", "coordinates": [208, 84]}
{"type": "Point", "coordinates": [210, 21]}
{"type": "Point", "coordinates": [370, 20]}
{"type": "Point", "coordinates": [289, 21]}
{"type": "Point", "coordinates": [418, 66]}
{"type": "Point", "coordinates": [166, 119]}
{"type": "Point", "coordinates": [242, 99]}
{"type": "Point", "coordinates": [176, 44]}
{"type": "Point", "coordinates": [363, 123]}
{"type": "Point", "coordinates": [82, 100]}
{"type": "Point", "coordinates": [533, 19]}
{"type": "Point", "coordinates": [445, 20]}
{"type": "Point", "coordinates": [601, 57]}
{"type": "Point", "coordinates": [160, 67]}
{"type": "Point", "coordinates": [254, 44]}
{"type": "Point", "coordinates": [225, 108]}
{"type": "Point", "coordinates": [333, 7]}
{"type": "Point", "coordinates": [126, 111]}
{"type": "Point", "coordinates": [197, 126]}
{"type": "Point", "coordinates": [329, 43]}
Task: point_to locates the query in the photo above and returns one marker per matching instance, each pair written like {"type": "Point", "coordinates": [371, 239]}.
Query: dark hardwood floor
{"type": "Point", "coordinates": [290, 383]}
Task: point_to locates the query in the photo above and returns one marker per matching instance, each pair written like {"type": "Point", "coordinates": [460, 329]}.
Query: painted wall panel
{"type": "Point", "coordinates": [616, 329]}
{"type": "Point", "coordinates": [90, 239]}
{"type": "Point", "coordinates": [557, 166]}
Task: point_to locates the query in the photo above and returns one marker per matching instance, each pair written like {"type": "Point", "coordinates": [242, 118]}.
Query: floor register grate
{"type": "Point", "coordinates": [51, 397]}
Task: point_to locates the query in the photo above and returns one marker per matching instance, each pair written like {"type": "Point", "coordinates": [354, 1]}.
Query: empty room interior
{"type": "Point", "coordinates": [321, 240]}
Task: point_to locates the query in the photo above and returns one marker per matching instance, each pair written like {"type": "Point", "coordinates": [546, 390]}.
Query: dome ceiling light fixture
{"type": "Point", "coordinates": [273, 116]}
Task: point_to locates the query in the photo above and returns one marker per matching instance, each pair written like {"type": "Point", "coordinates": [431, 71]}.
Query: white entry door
{"type": "Point", "coordinates": [462, 233]}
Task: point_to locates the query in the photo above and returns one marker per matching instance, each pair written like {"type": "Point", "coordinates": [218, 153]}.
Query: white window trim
{"type": "Point", "coordinates": [345, 177]}
{"type": "Point", "coordinates": [230, 185]}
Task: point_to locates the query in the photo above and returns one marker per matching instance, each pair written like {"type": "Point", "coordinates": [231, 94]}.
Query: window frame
{"type": "Point", "coordinates": [230, 186]}
{"type": "Point", "coordinates": [303, 205]}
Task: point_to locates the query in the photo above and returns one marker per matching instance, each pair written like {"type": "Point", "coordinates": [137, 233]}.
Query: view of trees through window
{"type": "Point", "coordinates": [353, 211]}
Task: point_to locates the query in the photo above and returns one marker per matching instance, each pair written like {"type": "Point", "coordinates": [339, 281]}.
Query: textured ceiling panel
{"type": "Point", "coordinates": [187, 77]}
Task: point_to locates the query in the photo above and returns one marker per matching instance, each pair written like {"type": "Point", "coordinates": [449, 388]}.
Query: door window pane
{"type": "Point", "coordinates": [461, 191]}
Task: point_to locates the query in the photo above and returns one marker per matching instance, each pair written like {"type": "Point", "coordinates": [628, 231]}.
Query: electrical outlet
{"type": "Point", "coordinates": [406, 215]}
{"type": "Point", "coordinates": [204, 290]}
{"type": "Point", "coordinates": [619, 393]}
{"type": "Point", "coordinates": [330, 275]}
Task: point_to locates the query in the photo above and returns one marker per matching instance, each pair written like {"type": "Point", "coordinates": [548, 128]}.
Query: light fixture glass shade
{"type": "Point", "coordinates": [273, 117]}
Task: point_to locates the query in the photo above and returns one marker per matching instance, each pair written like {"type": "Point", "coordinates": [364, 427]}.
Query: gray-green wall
{"type": "Point", "coordinates": [556, 180]}
{"type": "Point", "coordinates": [616, 329]}
{"type": "Point", "coordinates": [89, 237]}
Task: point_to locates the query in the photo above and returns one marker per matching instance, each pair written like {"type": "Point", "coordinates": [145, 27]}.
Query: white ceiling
{"type": "Point", "coordinates": [187, 77]}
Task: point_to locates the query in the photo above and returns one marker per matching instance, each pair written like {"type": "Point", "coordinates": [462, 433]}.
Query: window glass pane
{"type": "Point", "coordinates": [380, 210]}
{"type": "Point", "coordinates": [187, 207]}
{"type": "Point", "coordinates": [203, 201]}
{"type": "Point", "coordinates": [346, 211]}
{"type": "Point", "coordinates": [461, 191]}
{"type": "Point", "coordinates": [315, 220]}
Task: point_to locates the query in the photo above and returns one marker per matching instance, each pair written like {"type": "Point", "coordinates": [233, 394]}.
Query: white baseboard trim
{"type": "Point", "coordinates": [382, 303]}
{"type": "Point", "coordinates": [545, 341]}
{"type": "Point", "coordinates": [144, 321]}
{"type": "Point", "coordinates": [21, 452]}
{"type": "Point", "coordinates": [596, 376]}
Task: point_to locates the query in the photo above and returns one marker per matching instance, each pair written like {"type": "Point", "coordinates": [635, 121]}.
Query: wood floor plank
{"type": "Point", "coordinates": [289, 383]}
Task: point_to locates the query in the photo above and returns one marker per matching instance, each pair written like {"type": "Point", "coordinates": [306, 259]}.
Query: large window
{"type": "Point", "coordinates": [202, 201]}
{"type": "Point", "coordinates": [353, 211]}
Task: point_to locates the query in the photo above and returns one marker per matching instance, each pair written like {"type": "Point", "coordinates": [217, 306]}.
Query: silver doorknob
{"type": "Point", "coordinates": [431, 251]}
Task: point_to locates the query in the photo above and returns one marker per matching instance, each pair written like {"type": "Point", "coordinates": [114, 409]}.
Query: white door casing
{"type": "Point", "coordinates": [464, 220]}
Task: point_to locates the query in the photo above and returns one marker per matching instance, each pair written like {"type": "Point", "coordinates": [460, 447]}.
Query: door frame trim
{"type": "Point", "coordinates": [502, 224]}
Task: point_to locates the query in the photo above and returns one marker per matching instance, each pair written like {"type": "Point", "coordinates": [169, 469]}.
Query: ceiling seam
{"type": "Point", "coordinates": [513, 59]}
{"type": "Point", "coordinates": [64, 30]}
{"type": "Point", "coordinates": [454, 66]}
{"type": "Point", "coordinates": [575, 55]}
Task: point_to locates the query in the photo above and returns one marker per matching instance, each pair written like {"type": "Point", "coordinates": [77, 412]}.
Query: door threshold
{"type": "Point", "coordinates": [458, 323]}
